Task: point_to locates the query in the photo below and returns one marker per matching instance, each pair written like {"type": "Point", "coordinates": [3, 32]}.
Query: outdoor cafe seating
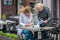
{"type": "Point", "coordinates": [10, 27]}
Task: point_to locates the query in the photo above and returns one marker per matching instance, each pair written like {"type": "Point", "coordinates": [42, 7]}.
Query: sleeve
{"type": "Point", "coordinates": [21, 23]}
{"type": "Point", "coordinates": [49, 14]}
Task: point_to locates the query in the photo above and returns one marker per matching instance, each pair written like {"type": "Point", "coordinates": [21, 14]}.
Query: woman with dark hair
{"type": "Point", "coordinates": [26, 20]}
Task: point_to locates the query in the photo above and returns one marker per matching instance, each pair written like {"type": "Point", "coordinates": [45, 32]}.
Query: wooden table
{"type": "Point", "coordinates": [36, 28]}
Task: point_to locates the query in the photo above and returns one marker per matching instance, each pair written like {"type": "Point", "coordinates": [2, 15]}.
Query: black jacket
{"type": "Point", "coordinates": [44, 15]}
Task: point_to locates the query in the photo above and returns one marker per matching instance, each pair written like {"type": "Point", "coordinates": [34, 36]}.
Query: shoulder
{"type": "Point", "coordinates": [46, 8]}
{"type": "Point", "coordinates": [21, 14]}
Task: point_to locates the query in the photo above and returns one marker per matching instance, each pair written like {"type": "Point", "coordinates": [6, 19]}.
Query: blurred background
{"type": "Point", "coordinates": [12, 7]}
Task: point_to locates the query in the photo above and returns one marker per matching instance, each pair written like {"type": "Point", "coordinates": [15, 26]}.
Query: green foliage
{"type": "Point", "coordinates": [1, 33]}
{"type": "Point", "coordinates": [10, 35]}
{"type": "Point", "coordinates": [4, 16]}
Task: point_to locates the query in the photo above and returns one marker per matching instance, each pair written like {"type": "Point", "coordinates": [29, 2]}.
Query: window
{"type": "Point", "coordinates": [21, 2]}
{"type": "Point", "coordinates": [32, 6]}
{"type": "Point", "coordinates": [8, 2]}
{"type": "Point", "coordinates": [41, 1]}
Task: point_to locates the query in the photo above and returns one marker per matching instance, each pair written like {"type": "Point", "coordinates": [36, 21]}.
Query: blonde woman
{"type": "Point", "coordinates": [44, 16]}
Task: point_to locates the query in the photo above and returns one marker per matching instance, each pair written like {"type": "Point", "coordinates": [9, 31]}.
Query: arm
{"type": "Point", "coordinates": [49, 15]}
{"type": "Point", "coordinates": [21, 20]}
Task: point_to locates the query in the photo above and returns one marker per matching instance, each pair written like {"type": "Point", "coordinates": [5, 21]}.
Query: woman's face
{"type": "Point", "coordinates": [39, 8]}
{"type": "Point", "coordinates": [27, 13]}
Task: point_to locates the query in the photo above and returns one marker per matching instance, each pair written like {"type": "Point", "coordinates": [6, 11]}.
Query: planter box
{"type": "Point", "coordinates": [7, 38]}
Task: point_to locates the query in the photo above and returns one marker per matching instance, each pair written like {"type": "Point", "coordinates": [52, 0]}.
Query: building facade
{"type": "Point", "coordinates": [54, 6]}
{"type": "Point", "coordinates": [11, 7]}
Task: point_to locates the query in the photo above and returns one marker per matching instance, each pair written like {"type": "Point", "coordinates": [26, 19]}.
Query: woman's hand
{"type": "Point", "coordinates": [46, 21]}
{"type": "Point", "coordinates": [28, 25]}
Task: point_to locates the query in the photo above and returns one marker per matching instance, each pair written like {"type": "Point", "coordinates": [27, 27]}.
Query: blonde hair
{"type": "Point", "coordinates": [22, 9]}
{"type": "Point", "coordinates": [25, 9]}
{"type": "Point", "coordinates": [39, 5]}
